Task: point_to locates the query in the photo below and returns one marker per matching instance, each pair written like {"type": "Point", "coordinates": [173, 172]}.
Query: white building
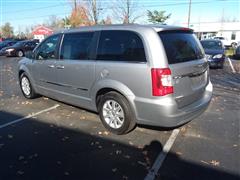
{"type": "Point", "coordinates": [229, 30]}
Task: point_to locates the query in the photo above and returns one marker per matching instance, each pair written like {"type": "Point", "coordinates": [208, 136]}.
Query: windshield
{"type": "Point", "coordinates": [181, 46]}
{"type": "Point", "coordinates": [221, 38]}
{"type": "Point", "coordinates": [212, 45]}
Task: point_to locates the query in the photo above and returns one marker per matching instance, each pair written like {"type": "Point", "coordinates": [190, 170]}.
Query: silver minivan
{"type": "Point", "coordinates": [129, 74]}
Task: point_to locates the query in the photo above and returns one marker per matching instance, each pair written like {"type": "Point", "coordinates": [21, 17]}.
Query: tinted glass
{"type": "Point", "coordinates": [47, 50]}
{"type": "Point", "coordinates": [181, 46]}
{"type": "Point", "coordinates": [76, 46]}
{"type": "Point", "coordinates": [18, 43]}
{"type": "Point", "coordinates": [12, 43]}
{"type": "Point", "coordinates": [33, 44]}
{"type": "Point", "coordinates": [120, 46]}
{"type": "Point", "coordinates": [27, 44]}
{"type": "Point", "coordinates": [212, 45]}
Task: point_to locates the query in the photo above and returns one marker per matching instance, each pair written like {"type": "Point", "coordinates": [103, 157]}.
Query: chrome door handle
{"type": "Point", "coordinates": [60, 67]}
{"type": "Point", "coordinates": [51, 66]}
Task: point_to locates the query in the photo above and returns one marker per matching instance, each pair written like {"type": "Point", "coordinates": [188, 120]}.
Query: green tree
{"type": "Point", "coordinates": [7, 30]}
{"type": "Point", "coordinates": [157, 16]}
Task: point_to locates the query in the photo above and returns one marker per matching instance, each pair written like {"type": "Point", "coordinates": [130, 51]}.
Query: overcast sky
{"type": "Point", "coordinates": [23, 13]}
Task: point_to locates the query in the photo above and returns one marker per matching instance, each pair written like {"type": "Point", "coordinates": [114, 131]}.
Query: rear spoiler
{"type": "Point", "coordinates": [177, 30]}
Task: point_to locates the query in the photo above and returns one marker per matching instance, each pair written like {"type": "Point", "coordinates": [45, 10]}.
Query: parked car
{"type": "Point", "coordinates": [20, 48]}
{"type": "Point", "coordinates": [215, 52]}
{"type": "Point", "coordinates": [237, 52]}
{"type": "Point", "coordinates": [4, 44]}
{"type": "Point", "coordinates": [226, 42]}
{"type": "Point", "coordinates": [129, 74]}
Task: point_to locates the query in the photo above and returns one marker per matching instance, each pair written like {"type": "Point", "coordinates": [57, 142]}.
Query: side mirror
{"type": "Point", "coordinates": [29, 55]}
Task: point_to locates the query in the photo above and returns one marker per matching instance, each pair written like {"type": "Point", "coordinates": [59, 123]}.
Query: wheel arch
{"type": "Point", "coordinates": [105, 86]}
{"type": "Point", "coordinates": [24, 69]}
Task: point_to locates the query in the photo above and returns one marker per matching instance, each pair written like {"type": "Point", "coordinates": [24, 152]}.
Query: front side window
{"type": "Point", "coordinates": [120, 46]}
{"type": "Point", "coordinates": [48, 49]}
{"type": "Point", "coordinates": [76, 46]}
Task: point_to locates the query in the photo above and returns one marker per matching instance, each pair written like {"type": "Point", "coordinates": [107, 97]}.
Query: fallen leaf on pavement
{"type": "Point", "coordinates": [66, 173]}
{"type": "Point", "coordinates": [142, 163]}
{"type": "Point", "coordinates": [10, 136]}
{"type": "Point", "coordinates": [179, 153]}
{"type": "Point", "coordinates": [106, 133]}
{"type": "Point", "coordinates": [114, 169]}
{"type": "Point", "coordinates": [204, 162]}
{"type": "Point", "coordinates": [20, 158]}
{"type": "Point", "coordinates": [130, 142]}
{"type": "Point", "coordinates": [20, 172]}
{"type": "Point", "coordinates": [118, 151]}
{"type": "Point", "coordinates": [215, 163]}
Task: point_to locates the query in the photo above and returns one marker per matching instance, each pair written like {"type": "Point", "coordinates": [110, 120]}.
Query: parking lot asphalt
{"type": "Point", "coordinates": [46, 139]}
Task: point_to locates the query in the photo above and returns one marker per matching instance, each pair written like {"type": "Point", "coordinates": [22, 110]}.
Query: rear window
{"type": "Point", "coordinates": [120, 45]}
{"type": "Point", "coordinates": [181, 46]}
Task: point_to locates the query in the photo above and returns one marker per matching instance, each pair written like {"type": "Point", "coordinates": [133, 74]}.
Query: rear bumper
{"type": "Point", "coordinates": [165, 112]}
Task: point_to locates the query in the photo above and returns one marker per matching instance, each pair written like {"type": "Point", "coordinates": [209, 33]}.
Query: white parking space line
{"type": "Point", "coordinates": [161, 157]}
{"type": "Point", "coordinates": [29, 116]}
{"type": "Point", "coordinates": [230, 62]}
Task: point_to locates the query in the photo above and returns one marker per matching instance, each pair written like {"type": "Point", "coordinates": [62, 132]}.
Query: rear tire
{"type": "Point", "coordinates": [26, 87]}
{"type": "Point", "coordinates": [115, 113]}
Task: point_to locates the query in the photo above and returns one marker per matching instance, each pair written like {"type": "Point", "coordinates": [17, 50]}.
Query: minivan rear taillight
{"type": "Point", "coordinates": [161, 81]}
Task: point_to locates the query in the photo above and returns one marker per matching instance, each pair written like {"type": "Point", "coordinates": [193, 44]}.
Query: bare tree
{"type": "Point", "coordinates": [105, 21]}
{"type": "Point", "coordinates": [54, 22]}
{"type": "Point", "coordinates": [126, 11]}
{"type": "Point", "coordinates": [93, 7]}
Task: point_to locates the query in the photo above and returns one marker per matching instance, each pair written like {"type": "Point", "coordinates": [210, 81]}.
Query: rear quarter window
{"type": "Point", "coordinates": [117, 45]}
{"type": "Point", "coordinates": [181, 46]}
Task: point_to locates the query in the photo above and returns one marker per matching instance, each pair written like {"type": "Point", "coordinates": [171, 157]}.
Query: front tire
{"type": "Point", "coordinates": [115, 113]}
{"type": "Point", "coordinates": [20, 53]}
{"type": "Point", "coordinates": [26, 87]}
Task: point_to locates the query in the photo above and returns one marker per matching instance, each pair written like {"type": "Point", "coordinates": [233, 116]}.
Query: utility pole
{"type": "Point", "coordinates": [75, 5]}
{"type": "Point", "coordinates": [95, 11]}
{"type": "Point", "coordinates": [189, 12]}
{"type": "Point", "coordinates": [128, 11]}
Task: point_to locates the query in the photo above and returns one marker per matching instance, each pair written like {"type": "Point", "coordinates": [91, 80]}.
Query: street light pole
{"type": "Point", "coordinates": [189, 12]}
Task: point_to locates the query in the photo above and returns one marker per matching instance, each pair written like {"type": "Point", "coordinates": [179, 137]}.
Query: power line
{"type": "Point", "coordinates": [33, 9]}
{"type": "Point", "coordinates": [106, 8]}
{"type": "Point", "coordinates": [38, 16]}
